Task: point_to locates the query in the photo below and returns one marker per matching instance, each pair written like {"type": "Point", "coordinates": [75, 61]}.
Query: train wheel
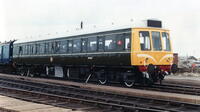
{"type": "Point", "coordinates": [102, 78]}
{"type": "Point", "coordinates": [129, 80]}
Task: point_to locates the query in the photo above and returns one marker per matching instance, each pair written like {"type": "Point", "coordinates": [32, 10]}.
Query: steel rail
{"type": "Point", "coordinates": [76, 92]}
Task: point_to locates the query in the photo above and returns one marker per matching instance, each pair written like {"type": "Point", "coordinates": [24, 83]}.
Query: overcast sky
{"type": "Point", "coordinates": [36, 19]}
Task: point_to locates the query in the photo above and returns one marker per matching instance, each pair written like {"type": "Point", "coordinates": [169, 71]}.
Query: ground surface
{"type": "Point", "coordinates": [184, 78]}
{"type": "Point", "coordinates": [187, 78]}
{"type": "Point", "coordinates": [24, 106]}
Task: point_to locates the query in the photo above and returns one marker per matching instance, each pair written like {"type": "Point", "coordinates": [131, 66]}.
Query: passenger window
{"type": "Point", "coordinates": [34, 49]}
{"type": "Point", "coordinates": [84, 45]}
{"type": "Point", "coordinates": [63, 46]}
{"type": "Point", "coordinates": [25, 49]}
{"type": "Point", "coordinates": [110, 43]}
{"type": "Point", "coordinates": [127, 37]}
{"type": "Point", "coordinates": [92, 44]}
{"type": "Point", "coordinates": [70, 43]}
{"type": "Point", "coordinates": [166, 41]}
{"type": "Point", "coordinates": [101, 43]}
{"type": "Point", "coordinates": [42, 47]}
{"type": "Point", "coordinates": [52, 49]}
{"type": "Point", "coordinates": [46, 49]}
{"type": "Point", "coordinates": [37, 48]}
{"type": "Point", "coordinates": [31, 49]}
{"type": "Point", "coordinates": [127, 43]}
{"type": "Point", "coordinates": [156, 41]}
{"type": "Point", "coordinates": [57, 47]}
{"type": "Point", "coordinates": [144, 40]}
{"type": "Point", "coordinates": [20, 50]}
{"type": "Point", "coordinates": [120, 42]}
{"type": "Point", "coordinates": [77, 45]}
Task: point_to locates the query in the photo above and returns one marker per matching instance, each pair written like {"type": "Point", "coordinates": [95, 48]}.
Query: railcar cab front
{"type": "Point", "coordinates": [152, 52]}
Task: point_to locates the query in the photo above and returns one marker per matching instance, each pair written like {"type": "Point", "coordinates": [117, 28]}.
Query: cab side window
{"type": "Point", "coordinates": [166, 41]}
{"type": "Point", "coordinates": [144, 40]}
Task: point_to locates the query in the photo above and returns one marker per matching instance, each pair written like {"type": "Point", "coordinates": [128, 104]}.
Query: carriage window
{"type": "Point", "coordinates": [37, 49]}
{"type": "Point", "coordinates": [16, 50]}
{"type": "Point", "coordinates": [110, 43]}
{"type": "Point", "coordinates": [101, 43]}
{"type": "Point", "coordinates": [42, 47]}
{"type": "Point", "coordinates": [166, 41]}
{"type": "Point", "coordinates": [127, 41]}
{"type": "Point", "coordinates": [28, 49]}
{"type": "Point", "coordinates": [57, 47]}
{"type": "Point", "coordinates": [25, 49]}
{"type": "Point", "coordinates": [63, 46]}
{"type": "Point", "coordinates": [46, 48]}
{"type": "Point", "coordinates": [92, 44]}
{"type": "Point", "coordinates": [144, 40]}
{"type": "Point", "coordinates": [156, 41]}
{"type": "Point", "coordinates": [22, 51]}
{"type": "Point", "coordinates": [51, 48]}
{"type": "Point", "coordinates": [70, 43]}
{"type": "Point", "coordinates": [31, 49]}
{"type": "Point", "coordinates": [84, 45]}
{"type": "Point", "coordinates": [120, 42]}
{"type": "Point", "coordinates": [77, 45]}
{"type": "Point", "coordinates": [52, 45]}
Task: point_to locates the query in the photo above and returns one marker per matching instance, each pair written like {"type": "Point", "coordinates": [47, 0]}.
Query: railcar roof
{"type": "Point", "coordinates": [83, 33]}
{"type": "Point", "coordinates": [77, 34]}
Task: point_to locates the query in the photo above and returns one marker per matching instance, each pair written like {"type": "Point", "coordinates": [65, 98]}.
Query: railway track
{"type": "Point", "coordinates": [58, 95]}
{"type": "Point", "coordinates": [166, 87]}
{"type": "Point", "coordinates": [173, 88]}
